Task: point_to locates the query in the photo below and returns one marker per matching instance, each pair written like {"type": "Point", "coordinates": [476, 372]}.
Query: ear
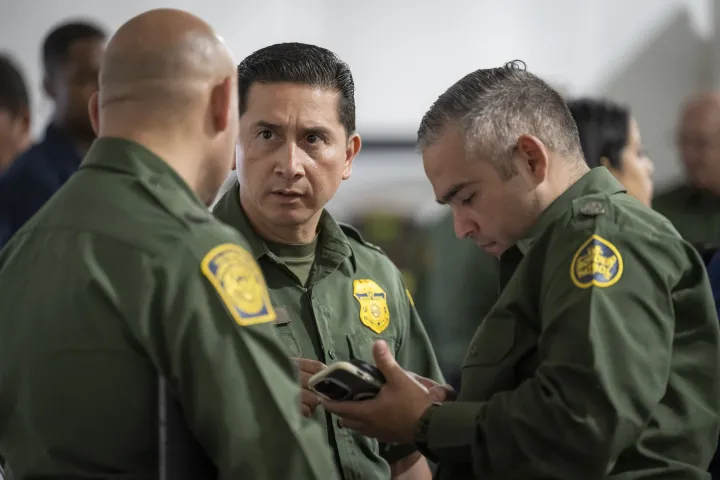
{"type": "Point", "coordinates": [221, 105]}
{"type": "Point", "coordinates": [48, 87]}
{"type": "Point", "coordinates": [94, 112]}
{"type": "Point", "coordinates": [533, 156]}
{"type": "Point", "coordinates": [354, 145]}
{"type": "Point", "coordinates": [25, 120]}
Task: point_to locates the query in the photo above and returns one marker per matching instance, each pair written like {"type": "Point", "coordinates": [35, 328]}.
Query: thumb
{"type": "Point", "coordinates": [385, 361]}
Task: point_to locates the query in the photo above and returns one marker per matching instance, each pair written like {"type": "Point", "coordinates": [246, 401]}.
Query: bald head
{"type": "Point", "coordinates": [168, 82]}
{"type": "Point", "coordinates": [162, 58]}
{"type": "Point", "coordinates": [699, 140]}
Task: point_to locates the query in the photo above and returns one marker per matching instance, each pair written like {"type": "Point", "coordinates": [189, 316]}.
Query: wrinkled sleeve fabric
{"type": "Point", "coordinates": [236, 386]}
{"type": "Point", "coordinates": [604, 353]}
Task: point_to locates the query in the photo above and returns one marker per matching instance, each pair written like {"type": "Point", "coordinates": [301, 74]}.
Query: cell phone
{"type": "Point", "coordinates": [348, 381]}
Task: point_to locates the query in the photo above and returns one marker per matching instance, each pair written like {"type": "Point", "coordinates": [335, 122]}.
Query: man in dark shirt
{"type": "Point", "coordinates": [14, 112]}
{"type": "Point", "coordinates": [71, 61]}
{"type": "Point", "coordinates": [694, 206]}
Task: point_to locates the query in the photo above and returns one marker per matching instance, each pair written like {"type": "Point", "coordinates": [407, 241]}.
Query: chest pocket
{"type": "Point", "coordinates": [489, 366]}
{"type": "Point", "coordinates": [284, 327]}
{"type": "Point", "coordinates": [360, 345]}
{"type": "Point", "coordinates": [492, 342]}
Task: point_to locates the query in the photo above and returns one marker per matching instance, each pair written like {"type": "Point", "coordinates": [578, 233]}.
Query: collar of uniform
{"type": "Point", "coordinates": [597, 180]}
{"type": "Point", "coordinates": [132, 158]}
{"type": "Point", "coordinates": [229, 210]}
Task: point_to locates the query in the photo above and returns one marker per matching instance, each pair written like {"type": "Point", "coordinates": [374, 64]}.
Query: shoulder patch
{"type": "Point", "coordinates": [236, 276]}
{"type": "Point", "coordinates": [596, 263]}
{"type": "Point", "coordinates": [353, 233]}
{"type": "Point", "coordinates": [374, 311]}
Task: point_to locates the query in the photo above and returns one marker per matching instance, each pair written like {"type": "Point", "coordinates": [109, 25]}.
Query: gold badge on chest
{"type": "Point", "coordinates": [374, 311]}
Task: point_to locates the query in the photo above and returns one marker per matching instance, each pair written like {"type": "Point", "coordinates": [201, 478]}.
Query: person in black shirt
{"type": "Point", "coordinates": [71, 61]}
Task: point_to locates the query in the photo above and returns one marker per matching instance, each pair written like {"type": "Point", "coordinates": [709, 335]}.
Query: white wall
{"type": "Point", "coordinates": [405, 52]}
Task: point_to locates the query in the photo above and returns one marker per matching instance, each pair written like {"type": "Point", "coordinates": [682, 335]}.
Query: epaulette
{"type": "Point", "coordinates": [353, 233]}
{"type": "Point", "coordinates": [591, 206]}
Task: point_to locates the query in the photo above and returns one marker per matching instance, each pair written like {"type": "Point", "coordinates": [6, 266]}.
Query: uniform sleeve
{"type": "Point", "coordinates": [606, 331]}
{"type": "Point", "coordinates": [416, 355]}
{"type": "Point", "coordinates": [227, 368]}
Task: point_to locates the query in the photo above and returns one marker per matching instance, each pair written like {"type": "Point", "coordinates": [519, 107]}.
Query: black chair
{"type": "Point", "coordinates": [181, 456]}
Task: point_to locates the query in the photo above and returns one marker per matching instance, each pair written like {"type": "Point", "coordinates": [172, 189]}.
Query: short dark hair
{"type": "Point", "coordinates": [604, 129]}
{"type": "Point", "coordinates": [493, 107]}
{"type": "Point", "coordinates": [13, 90]}
{"type": "Point", "coordinates": [302, 64]}
{"type": "Point", "coordinates": [58, 42]}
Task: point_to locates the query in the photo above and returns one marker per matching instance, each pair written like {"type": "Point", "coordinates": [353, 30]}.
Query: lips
{"type": "Point", "coordinates": [287, 196]}
{"type": "Point", "coordinates": [287, 192]}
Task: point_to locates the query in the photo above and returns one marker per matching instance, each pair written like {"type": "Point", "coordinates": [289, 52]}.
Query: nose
{"type": "Point", "coordinates": [290, 162]}
{"type": "Point", "coordinates": [650, 165]}
{"type": "Point", "coordinates": [462, 225]}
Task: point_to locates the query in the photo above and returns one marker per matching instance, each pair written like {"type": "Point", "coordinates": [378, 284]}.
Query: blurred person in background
{"type": "Point", "coordinates": [610, 138]}
{"type": "Point", "coordinates": [334, 293]}
{"type": "Point", "coordinates": [694, 206]}
{"type": "Point", "coordinates": [125, 276]}
{"type": "Point", "coordinates": [459, 284]}
{"type": "Point", "coordinates": [14, 112]}
{"type": "Point", "coordinates": [71, 56]}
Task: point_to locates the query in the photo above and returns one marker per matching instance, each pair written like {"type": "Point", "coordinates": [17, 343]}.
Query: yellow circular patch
{"type": "Point", "coordinates": [596, 263]}
{"type": "Point", "coordinates": [238, 279]}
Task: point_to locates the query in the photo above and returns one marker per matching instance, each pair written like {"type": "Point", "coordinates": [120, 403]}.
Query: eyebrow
{"type": "Point", "coordinates": [447, 198]}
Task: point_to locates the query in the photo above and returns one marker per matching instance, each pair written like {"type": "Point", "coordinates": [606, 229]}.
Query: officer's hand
{"type": "Point", "coordinates": [390, 416]}
{"type": "Point", "coordinates": [440, 393]}
{"type": "Point", "coordinates": [308, 399]}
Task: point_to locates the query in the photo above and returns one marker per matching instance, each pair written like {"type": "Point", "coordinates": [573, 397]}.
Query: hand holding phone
{"type": "Point", "coordinates": [306, 369]}
{"type": "Point", "coordinates": [347, 381]}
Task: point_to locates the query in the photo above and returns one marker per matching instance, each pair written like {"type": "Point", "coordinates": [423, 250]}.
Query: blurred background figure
{"type": "Point", "coordinates": [14, 112]}
{"type": "Point", "coordinates": [694, 206]}
{"type": "Point", "coordinates": [71, 56]}
{"type": "Point", "coordinates": [610, 138]}
{"type": "Point", "coordinates": [458, 288]}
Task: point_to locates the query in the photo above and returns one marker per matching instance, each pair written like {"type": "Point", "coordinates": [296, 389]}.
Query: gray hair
{"type": "Point", "coordinates": [492, 108]}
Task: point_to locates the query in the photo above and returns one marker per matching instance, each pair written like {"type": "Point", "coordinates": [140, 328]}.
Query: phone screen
{"type": "Point", "coordinates": [341, 385]}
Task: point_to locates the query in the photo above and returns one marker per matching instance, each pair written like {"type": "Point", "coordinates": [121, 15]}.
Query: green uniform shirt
{"type": "Point", "coordinates": [694, 213]}
{"type": "Point", "coordinates": [600, 358]}
{"type": "Point", "coordinates": [123, 276]}
{"type": "Point", "coordinates": [353, 296]}
{"type": "Point", "coordinates": [459, 278]}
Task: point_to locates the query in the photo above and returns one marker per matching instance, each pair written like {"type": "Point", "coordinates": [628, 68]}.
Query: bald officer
{"type": "Point", "coordinates": [125, 275]}
{"type": "Point", "coordinates": [601, 358]}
